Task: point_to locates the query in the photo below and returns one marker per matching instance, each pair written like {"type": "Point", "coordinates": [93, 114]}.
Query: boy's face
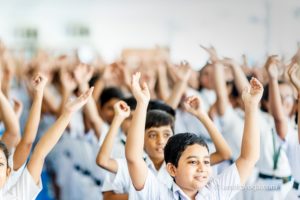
{"type": "Point", "coordinates": [155, 141]}
{"type": "Point", "coordinates": [193, 170]}
{"type": "Point", "coordinates": [287, 98]}
{"type": "Point", "coordinates": [107, 110]}
{"type": "Point", "coordinates": [4, 169]}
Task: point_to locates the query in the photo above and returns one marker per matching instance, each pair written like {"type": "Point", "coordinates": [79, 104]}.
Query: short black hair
{"type": "Point", "coordinates": [157, 118]}
{"type": "Point", "coordinates": [178, 143]}
{"type": "Point", "coordinates": [160, 105]}
{"type": "Point", "coordinates": [131, 102]}
{"type": "Point", "coordinates": [110, 93]}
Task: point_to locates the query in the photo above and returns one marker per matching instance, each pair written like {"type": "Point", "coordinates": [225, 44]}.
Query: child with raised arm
{"type": "Point", "coordinates": [187, 157]}
{"type": "Point", "coordinates": [29, 184]}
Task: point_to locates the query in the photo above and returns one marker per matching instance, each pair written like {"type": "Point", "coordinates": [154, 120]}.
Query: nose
{"type": "Point", "coordinates": [200, 167]}
{"type": "Point", "coordinates": [160, 139]}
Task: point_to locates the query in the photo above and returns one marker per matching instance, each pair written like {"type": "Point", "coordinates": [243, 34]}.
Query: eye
{"type": "Point", "coordinates": [193, 162]}
{"type": "Point", "coordinates": [152, 135]}
{"type": "Point", "coordinates": [206, 162]}
{"type": "Point", "coordinates": [167, 135]}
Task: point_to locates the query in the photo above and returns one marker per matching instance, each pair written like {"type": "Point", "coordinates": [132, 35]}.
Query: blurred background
{"type": "Point", "coordinates": [255, 28]}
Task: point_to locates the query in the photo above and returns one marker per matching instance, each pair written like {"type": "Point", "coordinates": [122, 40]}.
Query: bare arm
{"type": "Point", "coordinates": [223, 151]}
{"type": "Point", "coordinates": [240, 78]}
{"type": "Point", "coordinates": [51, 137]}
{"type": "Point", "coordinates": [103, 159]}
{"type": "Point", "coordinates": [250, 149]}
{"type": "Point", "coordinates": [281, 120]}
{"type": "Point", "coordinates": [135, 139]}
{"type": "Point", "coordinates": [220, 87]}
{"type": "Point", "coordinates": [180, 86]}
{"type": "Point", "coordinates": [23, 149]}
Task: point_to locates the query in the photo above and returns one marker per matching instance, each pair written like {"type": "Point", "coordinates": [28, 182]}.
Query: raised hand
{"type": "Point", "coordinates": [140, 92]}
{"type": "Point", "coordinates": [122, 110]}
{"type": "Point", "coordinates": [193, 105]}
{"type": "Point", "coordinates": [39, 82]}
{"type": "Point", "coordinates": [271, 67]}
{"type": "Point", "coordinates": [83, 74]}
{"type": "Point", "coordinates": [212, 52]}
{"type": "Point", "coordinates": [67, 81]}
{"type": "Point", "coordinates": [294, 73]}
{"type": "Point", "coordinates": [253, 94]}
{"type": "Point", "coordinates": [74, 105]}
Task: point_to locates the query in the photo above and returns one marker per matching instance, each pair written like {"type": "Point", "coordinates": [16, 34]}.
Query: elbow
{"type": "Point", "coordinates": [227, 155]}
{"type": "Point", "coordinates": [101, 162]}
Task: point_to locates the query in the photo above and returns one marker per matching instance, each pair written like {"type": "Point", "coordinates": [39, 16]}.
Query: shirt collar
{"type": "Point", "coordinates": [178, 194]}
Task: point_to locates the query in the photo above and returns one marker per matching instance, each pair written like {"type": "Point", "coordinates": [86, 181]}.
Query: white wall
{"type": "Point", "coordinates": [233, 26]}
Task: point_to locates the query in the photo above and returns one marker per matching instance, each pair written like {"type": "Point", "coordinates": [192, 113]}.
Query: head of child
{"type": "Point", "coordinates": [188, 161]}
{"type": "Point", "coordinates": [4, 167]}
{"type": "Point", "coordinates": [287, 97]}
{"type": "Point", "coordinates": [159, 128]}
{"type": "Point", "coordinates": [107, 100]}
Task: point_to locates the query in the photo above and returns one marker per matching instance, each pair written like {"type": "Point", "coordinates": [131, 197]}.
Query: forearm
{"type": "Point", "coordinates": [103, 157]}
{"type": "Point", "coordinates": [135, 137]}
{"type": "Point", "coordinates": [163, 86]}
{"type": "Point", "coordinates": [223, 151]}
{"type": "Point", "coordinates": [277, 109]}
{"type": "Point", "coordinates": [299, 116]}
{"type": "Point", "coordinates": [99, 86]}
{"type": "Point", "coordinates": [240, 78]}
{"type": "Point", "coordinates": [250, 149]}
{"type": "Point", "coordinates": [221, 90]}
{"type": "Point", "coordinates": [12, 136]}
{"type": "Point", "coordinates": [177, 92]}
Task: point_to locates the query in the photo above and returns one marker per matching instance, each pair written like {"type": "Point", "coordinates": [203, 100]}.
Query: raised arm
{"type": "Point", "coordinates": [250, 149]}
{"type": "Point", "coordinates": [294, 72]}
{"type": "Point", "coordinates": [11, 137]}
{"type": "Point", "coordinates": [83, 74]}
{"type": "Point", "coordinates": [23, 149]}
{"type": "Point", "coordinates": [240, 78]}
{"type": "Point", "coordinates": [135, 139]}
{"type": "Point", "coordinates": [51, 137]}
{"type": "Point", "coordinates": [104, 160]}
{"type": "Point", "coordinates": [220, 87]}
{"type": "Point", "coordinates": [281, 120]}
{"type": "Point", "coordinates": [183, 75]}
{"type": "Point", "coordinates": [223, 151]}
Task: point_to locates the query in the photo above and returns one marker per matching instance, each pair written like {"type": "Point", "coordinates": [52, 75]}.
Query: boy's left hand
{"type": "Point", "coordinates": [193, 105]}
{"type": "Point", "coordinates": [140, 92]}
{"type": "Point", "coordinates": [253, 94]}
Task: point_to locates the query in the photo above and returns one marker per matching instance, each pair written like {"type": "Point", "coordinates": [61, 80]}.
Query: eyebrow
{"type": "Point", "coordinates": [189, 157]}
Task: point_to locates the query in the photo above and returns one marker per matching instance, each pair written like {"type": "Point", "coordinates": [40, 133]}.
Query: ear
{"type": "Point", "coordinates": [171, 169]}
{"type": "Point", "coordinates": [8, 171]}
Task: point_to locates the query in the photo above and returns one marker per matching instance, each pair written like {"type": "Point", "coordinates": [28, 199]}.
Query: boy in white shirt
{"type": "Point", "coordinates": [187, 158]}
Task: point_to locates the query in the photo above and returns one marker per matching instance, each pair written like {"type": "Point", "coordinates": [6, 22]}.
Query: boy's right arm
{"type": "Point", "coordinates": [122, 111]}
{"type": "Point", "coordinates": [250, 149]}
{"type": "Point", "coordinates": [135, 139]}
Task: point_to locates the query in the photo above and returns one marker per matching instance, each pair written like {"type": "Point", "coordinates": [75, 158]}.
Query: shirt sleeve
{"type": "Point", "coordinates": [227, 184]}
{"type": "Point", "coordinates": [26, 188]}
{"type": "Point", "coordinates": [151, 188]}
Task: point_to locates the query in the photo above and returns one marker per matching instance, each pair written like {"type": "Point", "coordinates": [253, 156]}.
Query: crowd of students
{"type": "Point", "coordinates": [158, 130]}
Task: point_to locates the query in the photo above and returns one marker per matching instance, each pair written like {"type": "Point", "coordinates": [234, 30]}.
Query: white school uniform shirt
{"type": "Point", "coordinates": [24, 189]}
{"type": "Point", "coordinates": [232, 127]}
{"type": "Point", "coordinates": [266, 161]}
{"type": "Point", "coordinates": [292, 148]}
{"type": "Point", "coordinates": [121, 182]}
{"type": "Point", "coordinates": [223, 186]}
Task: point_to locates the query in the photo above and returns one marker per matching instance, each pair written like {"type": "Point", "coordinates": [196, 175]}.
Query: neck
{"type": "Point", "coordinates": [190, 193]}
{"type": "Point", "coordinates": [157, 163]}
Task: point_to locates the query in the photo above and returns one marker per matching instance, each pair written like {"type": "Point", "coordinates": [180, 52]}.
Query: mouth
{"type": "Point", "coordinates": [160, 150]}
{"type": "Point", "coordinates": [201, 178]}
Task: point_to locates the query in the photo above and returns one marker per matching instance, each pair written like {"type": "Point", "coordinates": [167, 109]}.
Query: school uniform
{"type": "Point", "coordinates": [24, 189]}
{"type": "Point", "coordinates": [273, 166]}
{"type": "Point", "coordinates": [223, 186]}
{"type": "Point", "coordinates": [292, 148]}
{"type": "Point", "coordinates": [121, 182]}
